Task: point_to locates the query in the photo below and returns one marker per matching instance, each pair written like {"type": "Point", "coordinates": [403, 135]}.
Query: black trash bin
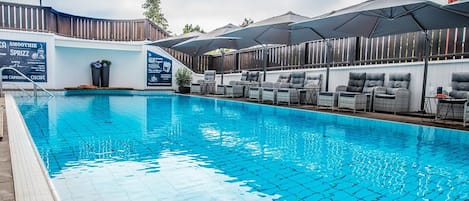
{"type": "Point", "coordinates": [96, 73]}
{"type": "Point", "coordinates": [105, 73]}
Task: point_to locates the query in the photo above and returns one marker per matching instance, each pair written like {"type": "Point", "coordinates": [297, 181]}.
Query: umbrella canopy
{"type": "Point", "coordinates": [374, 18]}
{"type": "Point", "coordinates": [460, 6]}
{"type": "Point", "coordinates": [210, 41]}
{"type": "Point", "coordinates": [273, 30]}
{"type": "Point", "coordinates": [169, 42]}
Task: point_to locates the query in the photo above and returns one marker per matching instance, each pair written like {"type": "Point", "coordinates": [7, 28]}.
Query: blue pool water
{"type": "Point", "coordinates": [171, 147]}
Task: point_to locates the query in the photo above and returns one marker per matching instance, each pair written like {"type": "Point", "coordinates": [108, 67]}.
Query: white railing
{"type": "Point", "coordinates": [35, 84]}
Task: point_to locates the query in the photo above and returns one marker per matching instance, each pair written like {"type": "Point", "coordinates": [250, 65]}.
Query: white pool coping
{"type": "Point", "coordinates": [30, 177]}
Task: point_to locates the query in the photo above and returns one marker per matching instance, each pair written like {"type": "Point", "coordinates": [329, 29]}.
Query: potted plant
{"type": "Point", "coordinates": [105, 72]}
{"type": "Point", "coordinates": [96, 72]}
{"type": "Point", "coordinates": [183, 80]}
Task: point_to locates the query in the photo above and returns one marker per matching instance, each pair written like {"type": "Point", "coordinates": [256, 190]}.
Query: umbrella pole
{"type": "Point", "coordinates": [265, 61]}
{"type": "Point", "coordinates": [222, 64]}
{"type": "Point", "coordinates": [425, 71]}
{"type": "Point", "coordinates": [329, 60]}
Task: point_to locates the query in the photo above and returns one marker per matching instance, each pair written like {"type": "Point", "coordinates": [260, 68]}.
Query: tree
{"type": "Point", "coordinates": [153, 13]}
{"type": "Point", "coordinates": [246, 22]}
{"type": "Point", "coordinates": [190, 28]}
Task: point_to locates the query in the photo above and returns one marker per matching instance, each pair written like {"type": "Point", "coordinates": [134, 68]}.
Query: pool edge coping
{"type": "Point", "coordinates": [317, 111]}
{"type": "Point", "coordinates": [30, 178]}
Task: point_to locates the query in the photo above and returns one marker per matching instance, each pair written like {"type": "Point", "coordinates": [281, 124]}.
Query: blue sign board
{"type": "Point", "coordinates": [27, 57]}
{"type": "Point", "coordinates": [159, 70]}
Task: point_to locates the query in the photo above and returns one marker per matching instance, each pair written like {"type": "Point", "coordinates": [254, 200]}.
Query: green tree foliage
{"type": "Point", "coordinates": [153, 12]}
{"type": "Point", "coordinates": [190, 28]}
{"type": "Point", "coordinates": [246, 22]}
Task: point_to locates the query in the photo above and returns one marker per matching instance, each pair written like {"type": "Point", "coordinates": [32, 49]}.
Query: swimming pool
{"type": "Point", "coordinates": [172, 147]}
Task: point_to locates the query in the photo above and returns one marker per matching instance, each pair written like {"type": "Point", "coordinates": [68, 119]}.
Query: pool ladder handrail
{"type": "Point", "coordinates": [35, 84]}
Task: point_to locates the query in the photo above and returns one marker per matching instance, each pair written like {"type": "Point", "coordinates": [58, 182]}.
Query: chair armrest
{"type": "Point", "coordinates": [380, 90]}
{"type": "Point", "coordinates": [402, 92]}
{"type": "Point", "coordinates": [341, 88]}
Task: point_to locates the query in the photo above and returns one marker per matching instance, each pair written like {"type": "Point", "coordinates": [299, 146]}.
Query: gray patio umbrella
{"type": "Point", "coordinates": [211, 41]}
{"type": "Point", "coordinates": [374, 18]}
{"type": "Point", "coordinates": [169, 42]}
{"type": "Point", "coordinates": [273, 30]}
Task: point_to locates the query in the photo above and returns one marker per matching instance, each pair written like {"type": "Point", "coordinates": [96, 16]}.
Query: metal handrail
{"type": "Point", "coordinates": [35, 84]}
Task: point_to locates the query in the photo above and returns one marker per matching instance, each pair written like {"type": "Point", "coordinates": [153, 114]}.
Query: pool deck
{"type": "Point", "coordinates": [423, 120]}
{"type": "Point", "coordinates": [7, 192]}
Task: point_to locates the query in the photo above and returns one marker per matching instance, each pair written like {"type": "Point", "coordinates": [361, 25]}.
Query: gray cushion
{"type": "Point", "coordinates": [458, 94]}
{"type": "Point", "coordinates": [348, 94]}
{"type": "Point", "coordinates": [387, 96]}
{"type": "Point", "coordinates": [244, 75]}
{"type": "Point", "coordinates": [253, 76]}
{"type": "Point", "coordinates": [209, 75]}
{"type": "Point", "coordinates": [281, 85]}
{"type": "Point", "coordinates": [356, 82]}
{"type": "Point", "coordinates": [326, 93]}
{"type": "Point", "coordinates": [392, 91]}
{"type": "Point", "coordinates": [267, 84]}
{"type": "Point", "coordinates": [297, 79]}
{"type": "Point", "coordinates": [313, 81]}
{"type": "Point", "coordinates": [399, 80]}
{"type": "Point", "coordinates": [284, 78]}
{"type": "Point", "coordinates": [373, 80]}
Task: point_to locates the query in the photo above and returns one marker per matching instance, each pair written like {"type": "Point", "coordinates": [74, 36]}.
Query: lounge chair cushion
{"type": "Point", "coordinates": [253, 77]}
{"type": "Point", "coordinates": [373, 80]}
{"type": "Point", "coordinates": [460, 85]}
{"type": "Point", "coordinates": [385, 96]}
{"type": "Point", "coordinates": [281, 85]}
{"type": "Point", "coordinates": [209, 75]}
{"type": "Point", "coordinates": [356, 82]}
{"type": "Point", "coordinates": [297, 79]}
{"type": "Point", "coordinates": [284, 78]}
{"type": "Point", "coordinates": [399, 80]}
{"type": "Point", "coordinates": [244, 75]}
{"type": "Point", "coordinates": [452, 101]}
{"type": "Point", "coordinates": [326, 93]}
{"type": "Point", "coordinates": [313, 81]}
{"type": "Point", "coordinates": [348, 94]}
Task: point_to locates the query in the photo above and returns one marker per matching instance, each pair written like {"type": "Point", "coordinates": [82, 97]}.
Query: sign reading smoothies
{"type": "Point", "coordinates": [25, 56]}
{"type": "Point", "coordinates": [159, 70]}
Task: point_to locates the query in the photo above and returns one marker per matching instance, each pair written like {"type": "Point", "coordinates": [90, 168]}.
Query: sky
{"type": "Point", "coordinates": [208, 14]}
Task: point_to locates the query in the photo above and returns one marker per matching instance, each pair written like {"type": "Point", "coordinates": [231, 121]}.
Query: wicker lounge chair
{"type": "Point", "coordinates": [352, 96]}
{"type": "Point", "coordinates": [360, 101]}
{"type": "Point", "coordinates": [291, 94]}
{"type": "Point", "coordinates": [207, 85]}
{"type": "Point", "coordinates": [269, 94]}
{"type": "Point", "coordinates": [311, 89]}
{"type": "Point", "coordinates": [355, 86]}
{"type": "Point", "coordinates": [230, 89]}
{"type": "Point", "coordinates": [453, 107]}
{"type": "Point", "coordinates": [395, 98]}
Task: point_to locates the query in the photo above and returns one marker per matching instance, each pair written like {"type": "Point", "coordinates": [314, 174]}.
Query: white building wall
{"type": "Point", "coordinates": [439, 74]}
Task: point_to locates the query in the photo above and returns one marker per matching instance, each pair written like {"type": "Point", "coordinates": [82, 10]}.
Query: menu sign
{"type": "Point", "coordinates": [27, 57]}
{"type": "Point", "coordinates": [159, 70]}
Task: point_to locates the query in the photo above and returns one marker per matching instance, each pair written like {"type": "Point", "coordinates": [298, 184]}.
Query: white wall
{"type": "Point", "coordinates": [68, 61]}
{"type": "Point", "coordinates": [439, 74]}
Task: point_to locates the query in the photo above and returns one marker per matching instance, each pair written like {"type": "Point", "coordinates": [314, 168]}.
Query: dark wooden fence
{"type": "Point", "coordinates": [445, 44]}
{"type": "Point", "coordinates": [46, 19]}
